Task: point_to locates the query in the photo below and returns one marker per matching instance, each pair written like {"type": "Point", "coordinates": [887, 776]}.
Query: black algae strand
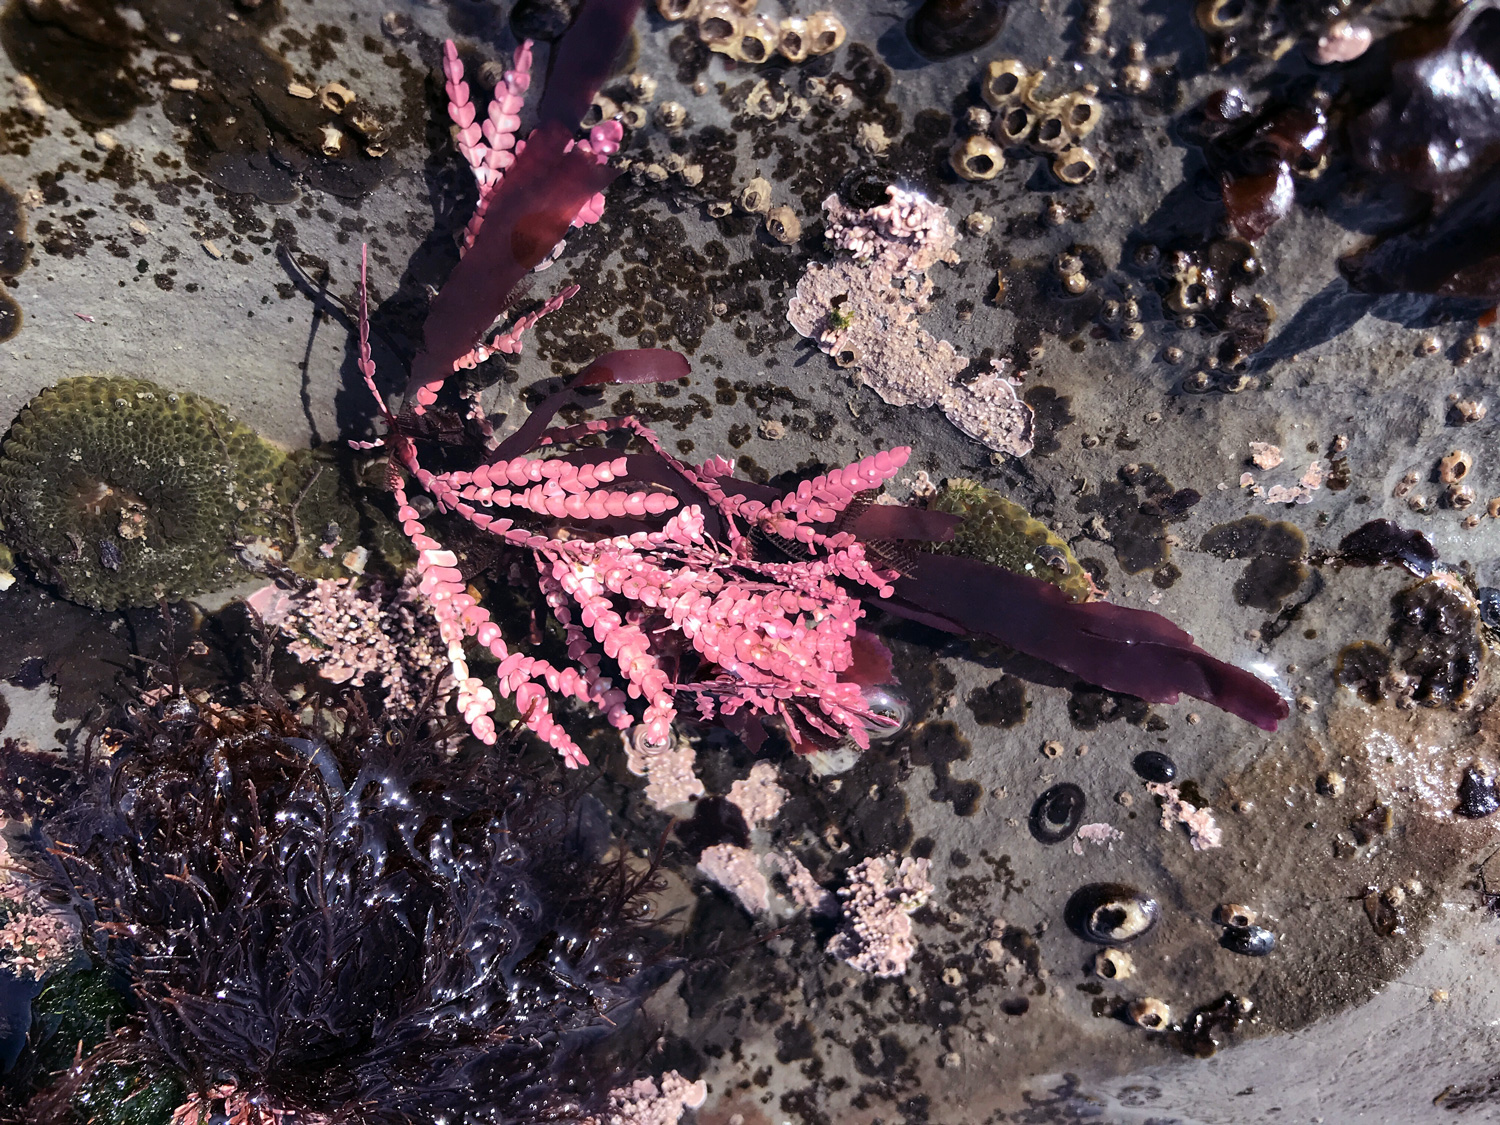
{"type": "Point", "coordinates": [1057, 813]}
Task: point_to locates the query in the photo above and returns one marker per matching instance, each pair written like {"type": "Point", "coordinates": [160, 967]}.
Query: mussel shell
{"type": "Point", "coordinates": [1476, 794]}
{"type": "Point", "coordinates": [1057, 813]}
{"type": "Point", "coordinates": [1153, 765]}
{"type": "Point", "coordinates": [1252, 941]}
{"type": "Point", "coordinates": [1110, 913]}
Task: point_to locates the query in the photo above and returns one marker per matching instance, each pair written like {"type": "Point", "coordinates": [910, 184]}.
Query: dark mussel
{"type": "Point", "coordinates": [1110, 913]}
{"type": "Point", "coordinates": [1252, 941]}
{"type": "Point", "coordinates": [1476, 794]}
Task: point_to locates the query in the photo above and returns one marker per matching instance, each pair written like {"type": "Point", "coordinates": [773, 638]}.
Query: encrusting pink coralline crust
{"type": "Point", "coordinates": [737, 870]}
{"type": "Point", "coordinates": [644, 1103]}
{"type": "Point", "coordinates": [877, 935]}
{"type": "Point", "coordinates": [774, 635]}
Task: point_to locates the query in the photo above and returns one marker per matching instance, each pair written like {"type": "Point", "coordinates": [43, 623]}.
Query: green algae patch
{"type": "Point", "coordinates": [119, 492]}
{"type": "Point", "coordinates": [1002, 533]}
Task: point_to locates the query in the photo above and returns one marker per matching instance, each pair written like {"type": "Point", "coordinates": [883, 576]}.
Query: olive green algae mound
{"type": "Point", "coordinates": [1004, 534]}
{"type": "Point", "coordinates": [119, 492]}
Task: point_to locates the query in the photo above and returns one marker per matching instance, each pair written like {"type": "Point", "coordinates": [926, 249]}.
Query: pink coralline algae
{"type": "Point", "coordinates": [862, 311]}
{"type": "Point", "coordinates": [667, 768]}
{"type": "Point", "coordinates": [758, 797]}
{"type": "Point", "coordinates": [351, 633]}
{"type": "Point", "coordinates": [805, 892]}
{"type": "Point", "coordinates": [738, 871]}
{"type": "Point", "coordinates": [1203, 832]}
{"type": "Point", "coordinates": [676, 584]}
{"type": "Point", "coordinates": [643, 1102]}
{"type": "Point", "coordinates": [35, 939]}
{"type": "Point", "coordinates": [877, 936]}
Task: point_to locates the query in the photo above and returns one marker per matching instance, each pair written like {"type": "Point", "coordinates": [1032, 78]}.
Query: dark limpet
{"type": "Point", "coordinates": [1153, 765]}
{"type": "Point", "coordinates": [1476, 794]}
{"type": "Point", "coordinates": [1110, 913]}
{"type": "Point", "coordinates": [942, 29]}
{"type": "Point", "coordinates": [1251, 941]}
{"type": "Point", "coordinates": [1057, 813]}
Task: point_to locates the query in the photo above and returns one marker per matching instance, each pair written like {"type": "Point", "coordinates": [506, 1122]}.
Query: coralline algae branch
{"type": "Point", "coordinates": [351, 633]}
{"type": "Point", "coordinates": [877, 936]}
{"type": "Point", "coordinates": [862, 311]}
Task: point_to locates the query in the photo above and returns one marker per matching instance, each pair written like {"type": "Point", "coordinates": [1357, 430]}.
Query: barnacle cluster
{"type": "Point", "coordinates": [1019, 114]}
{"type": "Point", "coordinates": [353, 929]}
{"type": "Point", "coordinates": [1003, 533]}
{"type": "Point", "coordinates": [119, 491]}
{"type": "Point", "coordinates": [734, 28]}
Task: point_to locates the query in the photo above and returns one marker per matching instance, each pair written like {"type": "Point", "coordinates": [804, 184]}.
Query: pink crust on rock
{"type": "Point", "coordinates": [877, 936]}
{"type": "Point", "coordinates": [862, 311]}
{"type": "Point", "coordinates": [644, 1103]}
{"type": "Point", "coordinates": [737, 870]}
{"type": "Point", "coordinates": [1203, 832]}
{"type": "Point", "coordinates": [758, 796]}
{"type": "Point", "coordinates": [668, 768]}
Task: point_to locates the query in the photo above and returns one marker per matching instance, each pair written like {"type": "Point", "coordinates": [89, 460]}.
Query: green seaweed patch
{"type": "Point", "coordinates": [1004, 534]}
{"type": "Point", "coordinates": [119, 491]}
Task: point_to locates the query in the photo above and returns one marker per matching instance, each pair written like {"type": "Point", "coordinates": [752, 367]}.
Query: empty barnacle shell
{"type": "Point", "coordinates": [1052, 131]}
{"type": "Point", "coordinates": [783, 225]}
{"type": "Point", "coordinates": [1454, 467]}
{"type": "Point", "coordinates": [1002, 82]}
{"type": "Point", "coordinates": [718, 26]}
{"type": "Point", "coordinates": [1057, 813]}
{"type": "Point", "coordinates": [1080, 112]}
{"type": "Point", "coordinates": [1234, 914]}
{"type": "Point", "coordinates": [977, 158]}
{"type": "Point", "coordinates": [297, 90]}
{"type": "Point", "coordinates": [756, 39]}
{"type": "Point", "coordinates": [692, 175]}
{"type": "Point", "coordinates": [1150, 1013]}
{"type": "Point", "coordinates": [1110, 913]}
{"type": "Point", "coordinates": [671, 116]}
{"type": "Point", "coordinates": [633, 115]}
{"type": "Point", "coordinates": [791, 39]}
{"type": "Point", "coordinates": [674, 162]}
{"type": "Point", "coordinates": [718, 208]}
{"type": "Point", "coordinates": [755, 196]}
{"type": "Point", "coordinates": [1014, 125]}
{"type": "Point", "coordinates": [602, 108]}
{"type": "Point", "coordinates": [335, 97]}
{"type": "Point", "coordinates": [825, 33]}
{"type": "Point", "coordinates": [847, 356]}
{"type": "Point", "coordinates": [1074, 165]}
{"type": "Point", "coordinates": [333, 140]}
{"type": "Point", "coordinates": [1476, 793]}
{"type": "Point", "coordinates": [1114, 964]}
{"type": "Point", "coordinates": [1221, 15]}
{"type": "Point", "coordinates": [1250, 941]}
{"type": "Point", "coordinates": [674, 10]}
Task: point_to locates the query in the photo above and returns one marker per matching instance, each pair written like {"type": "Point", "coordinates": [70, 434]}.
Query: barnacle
{"type": "Point", "coordinates": [1074, 165]}
{"type": "Point", "coordinates": [756, 40]}
{"type": "Point", "coordinates": [119, 491]}
{"type": "Point", "coordinates": [1002, 533]}
{"type": "Point", "coordinates": [791, 39]}
{"type": "Point", "coordinates": [1001, 84]}
{"type": "Point", "coordinates": [718, 26]}
{"type": "Point", "coordinates": [977, 158]}
{"type": "Point", "coordinates": [825, 33]}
